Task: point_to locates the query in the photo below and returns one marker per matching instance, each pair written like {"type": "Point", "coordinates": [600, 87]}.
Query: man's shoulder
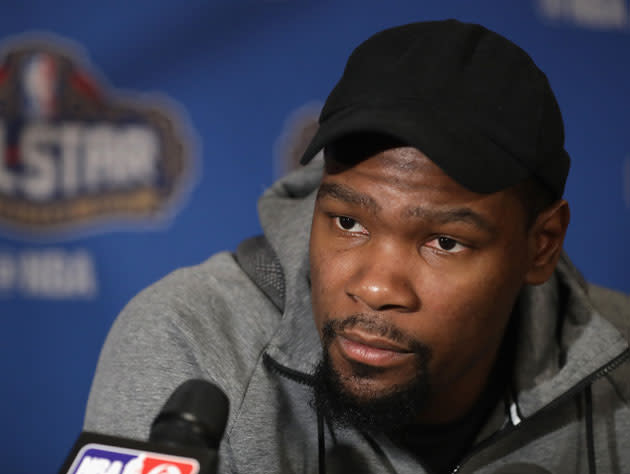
{"type": "Point", "coordinates": [208, 291]}
{"type": "Point", "coordinates": [207, 321]}
{"type": "Point", "coordinates": [214, 304]}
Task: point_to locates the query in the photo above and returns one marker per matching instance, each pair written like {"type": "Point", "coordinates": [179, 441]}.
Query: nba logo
{"type": "Point", "coordinates": [102, 459]}
{"type": "Point", "coordinates": [39, 83]}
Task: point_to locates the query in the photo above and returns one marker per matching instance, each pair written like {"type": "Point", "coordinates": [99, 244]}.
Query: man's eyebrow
{"type": "Point", "coordinates": [347, 195]}
{"type": "Point", "coordinates": [447, 216]}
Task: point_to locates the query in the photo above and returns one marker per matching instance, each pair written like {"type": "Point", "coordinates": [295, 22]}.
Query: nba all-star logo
{"type": "Point", "coordinates": [74, 154]}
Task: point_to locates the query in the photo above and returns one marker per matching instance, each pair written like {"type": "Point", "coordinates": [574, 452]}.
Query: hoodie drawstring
{"type": "Point", "coordinates": [590, 442]}
{"type": "Point", "coordinates": [321, 443]}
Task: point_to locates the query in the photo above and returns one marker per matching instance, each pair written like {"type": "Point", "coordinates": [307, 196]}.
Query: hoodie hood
{"type": "Point", "coordinates": [286, 211]}
{"type": "Point", "coordinates": [562, 338]}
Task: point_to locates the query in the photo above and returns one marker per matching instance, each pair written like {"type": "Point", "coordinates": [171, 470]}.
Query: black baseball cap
{"type": "Point", "coordinates": [471, 100]}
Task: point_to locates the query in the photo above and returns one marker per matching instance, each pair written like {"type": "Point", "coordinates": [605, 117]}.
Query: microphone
{"type": "Point", "coordinates": [186, 420]}
{"type": "Point", "coordinates": [184, 438]}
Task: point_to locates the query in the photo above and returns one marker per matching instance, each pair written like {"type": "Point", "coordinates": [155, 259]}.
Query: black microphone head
{"type": "Point", "coordinates": [194, 415]}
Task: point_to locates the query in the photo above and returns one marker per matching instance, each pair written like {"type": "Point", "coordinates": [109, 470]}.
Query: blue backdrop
{"type": "Point", "coordinates": [239, 82]}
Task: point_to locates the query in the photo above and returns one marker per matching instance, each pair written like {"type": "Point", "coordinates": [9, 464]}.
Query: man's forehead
{"type": "Point", "coordinates": [443, 213]}
{"type": "Point", "coordinates": [407, 159]}
{"type": "Point", "coordinates": [420, 188]}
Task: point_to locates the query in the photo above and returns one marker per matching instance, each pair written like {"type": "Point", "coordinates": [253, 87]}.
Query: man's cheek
{"type": "Point", "coordinates": [453, 324]}
{"type": "Point", "coordinates": [464, 295]}
{"type": "Point", "coordinates": [322, 296]}
{"type": "Point", "coordinates": [327, 276]}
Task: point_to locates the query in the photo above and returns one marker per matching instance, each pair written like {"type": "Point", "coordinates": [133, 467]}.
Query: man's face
{"type": "Point", "coordinates": [413, 280]}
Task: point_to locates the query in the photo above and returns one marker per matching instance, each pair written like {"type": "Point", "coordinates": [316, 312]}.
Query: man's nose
{"type": "Point", "coordinates": [383, 279]}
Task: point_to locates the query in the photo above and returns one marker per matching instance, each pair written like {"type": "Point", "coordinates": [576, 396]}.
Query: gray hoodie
{"type": "Point", "coordinates": [567, 410]}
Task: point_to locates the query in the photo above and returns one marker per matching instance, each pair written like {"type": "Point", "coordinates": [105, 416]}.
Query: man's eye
{"type": "Point", "coordinates": [349, 224]}
{"type": "Point", "coordinates": [446, 244]}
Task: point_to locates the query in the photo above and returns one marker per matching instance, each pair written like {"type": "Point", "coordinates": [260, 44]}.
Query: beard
{"type": "Point", "coordinates": [366, 408]}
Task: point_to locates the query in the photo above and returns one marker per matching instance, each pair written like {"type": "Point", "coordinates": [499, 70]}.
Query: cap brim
{"type": "Point", "coordinates": [467, 156]}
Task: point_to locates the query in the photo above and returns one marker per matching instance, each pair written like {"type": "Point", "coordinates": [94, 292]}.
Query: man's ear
{"type": "Point", "coordinates": [546, 237]}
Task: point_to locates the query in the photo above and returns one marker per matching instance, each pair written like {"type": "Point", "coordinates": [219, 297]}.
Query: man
{"type": "Point", "coordinates": [410, 308]}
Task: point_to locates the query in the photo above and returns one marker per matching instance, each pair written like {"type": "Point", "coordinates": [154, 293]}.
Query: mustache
{"type": "Point", "coordinates": [374, 325]}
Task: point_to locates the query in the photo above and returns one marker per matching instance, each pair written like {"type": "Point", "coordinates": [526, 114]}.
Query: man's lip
{"type": "Point", "coordinates": [373, 341]}
{"type": "Point", "coordinates": [370, 350]}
